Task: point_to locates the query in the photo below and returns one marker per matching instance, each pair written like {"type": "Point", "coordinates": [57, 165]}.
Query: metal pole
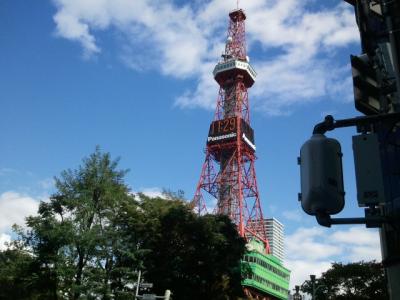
{"type": "Point", "coordinates": [312, 277]}
{"type": "Point", "coordinates": [390, 233]}
{"type": "Point", "coordinates": [297, 295]}
{"type": "Point", "coordinates": [388, 9]}
{"type": "Point", "coordinates": [137, 284]}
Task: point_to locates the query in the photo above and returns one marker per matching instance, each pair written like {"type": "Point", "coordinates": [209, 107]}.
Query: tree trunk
{"type": "Point", "coordinates": [78, 279]}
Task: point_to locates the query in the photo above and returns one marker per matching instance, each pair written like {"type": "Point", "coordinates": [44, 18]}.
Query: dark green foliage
{"type": "Point", "coordinates": [91, 238]}
{"type": "Point", "coordinates": [197, 257]}
{"type": "Point", "coordinates": [14, 284]}
{"type": "Point", "coordinates": [353, 281]}
{"type": "Point", "coordinates": [74, 238]}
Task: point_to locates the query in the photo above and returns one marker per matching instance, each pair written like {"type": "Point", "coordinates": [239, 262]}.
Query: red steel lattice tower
{"type": "Point", "coordinates": [228, 179]}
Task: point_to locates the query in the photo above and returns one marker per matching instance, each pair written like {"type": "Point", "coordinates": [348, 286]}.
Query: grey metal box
{"type": "Point", "coordinates": [368, 169]}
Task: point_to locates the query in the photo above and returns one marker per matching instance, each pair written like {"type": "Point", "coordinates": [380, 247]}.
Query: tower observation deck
{"type": "Point", "coordinates": [228, 179]}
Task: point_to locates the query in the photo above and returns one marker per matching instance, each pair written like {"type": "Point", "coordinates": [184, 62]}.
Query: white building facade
{"type": "Point", "coordinates": [275, 235]}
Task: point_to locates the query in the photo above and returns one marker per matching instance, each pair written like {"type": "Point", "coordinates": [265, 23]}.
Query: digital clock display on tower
{"type": "Point", "coordinates": [224, 126]}
{"type": "Point", "coordinates": [225, 130]}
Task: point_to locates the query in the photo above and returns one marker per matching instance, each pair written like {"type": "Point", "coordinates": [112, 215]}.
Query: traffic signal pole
{"type": "Point", "coordinates": [385, 215]}
{"type": "Point", "coordinates": [382, 211]}
{"type": "Point", "coordinates": [390, 11]}
{"type": "Point", "coordinates": [390, 245]}
{"type": "Point", "coordinates": [376, 82]}
{"type": "Point", "coordinates": [390, 233]}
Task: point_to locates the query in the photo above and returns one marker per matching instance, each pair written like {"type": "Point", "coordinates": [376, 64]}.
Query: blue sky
{"type": "Point", "coordinates": [135, 77]}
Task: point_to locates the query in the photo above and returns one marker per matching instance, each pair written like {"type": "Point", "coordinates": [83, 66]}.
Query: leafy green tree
{"type": "Point", "coordinates": [138, 225]}
{"type": "Point", "coordinates": [196, 257]}
{"type": "Point", "coordinates": [74, 237]}
{"type": "Point", "coordinates": [353, 281]}
{"type": "Point", "coordinates": [90, 239]}
{"type": "Point", "coordinates": [15, 266]}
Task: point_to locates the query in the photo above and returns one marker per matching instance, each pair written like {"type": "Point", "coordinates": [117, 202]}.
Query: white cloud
{"type": "Point", "coordinates": [361, 243]}
{"type": "Point", "coordinates": [47, 183]}
{"type": "Point", "coordinates": [302, 269]}
{"type": "Point", "coordinates": [14, 207]}
{"type": "Point", "coordinates": [71, 27]}
{"type": "Point", "coordinates": [152, 192]}
{"type": "Point", "coordinates": [366, 253]}
{"type": "Point", "coordinates": [4, 238]}
{"type": "Point", "coordinates": [292, 215]}
{"type": "Point", "coordinates": [168, 36]}
{"type": "Point", "coordinates": [312, 250]}
{"type": "Point", "coordinates": [356, 236]}
{"type": "Point", "coordinates": [313, 244]}
{"type": "Point", "coordinates": [296, 63]}
{"type": "Point", "coordinates": [206, 92]}
{"type": "Point", "coordinates": [302, 72]}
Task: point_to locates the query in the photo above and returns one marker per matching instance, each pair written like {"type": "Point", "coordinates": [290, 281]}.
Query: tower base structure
{"type": "Point", "coordinates": [263, 275]}
{"type": "Point", "coordinates": [256, 295]}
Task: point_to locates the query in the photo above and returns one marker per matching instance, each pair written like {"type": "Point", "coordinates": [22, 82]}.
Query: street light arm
{"type": "Point", "coordinates": [330, 123]}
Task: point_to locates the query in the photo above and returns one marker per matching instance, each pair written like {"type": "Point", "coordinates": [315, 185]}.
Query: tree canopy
{"type": "Point", "coordinates": [197, 257]}
{"type": "Point", "coordinates": [352, 281]}
{"type": "Point", "coordinates": [93, 235]}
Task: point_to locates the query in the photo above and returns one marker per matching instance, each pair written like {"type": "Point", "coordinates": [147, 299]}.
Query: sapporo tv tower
{"type": "Point", "coordinates": [228, 175]}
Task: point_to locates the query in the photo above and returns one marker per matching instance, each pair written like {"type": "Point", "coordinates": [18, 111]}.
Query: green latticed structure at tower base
{"type": "Point", "coordinates": [264, 273]}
